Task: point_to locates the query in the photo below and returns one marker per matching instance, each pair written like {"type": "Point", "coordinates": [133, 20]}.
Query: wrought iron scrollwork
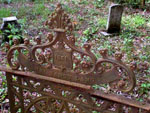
{"type": "Point", "coordinates": [60, 58]}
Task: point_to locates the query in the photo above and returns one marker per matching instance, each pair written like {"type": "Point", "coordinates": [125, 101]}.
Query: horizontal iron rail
{"type": "Point", "coordinates": [122, 100]}
{"type": "Point", "coordinates": [51, 79]}
{"type": "Point", "coordinates": [87, 88]}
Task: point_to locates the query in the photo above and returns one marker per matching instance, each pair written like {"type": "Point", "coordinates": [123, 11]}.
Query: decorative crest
{"type": "Point", "coordinates": [59, 20]}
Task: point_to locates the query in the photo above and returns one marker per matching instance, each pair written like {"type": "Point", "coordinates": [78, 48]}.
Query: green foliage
{"type": "Point", "coordinates": [13, 33]}
{"type": "Point", "coordinates": [128, 1]}
{"type": "Point", "coordinates": [107, 44]}
{"type": "Point", "coordinates": [3, 85]}
{"type": "Point", "coordinates": [32, 12]}
{"type": "Point", "coordinates": [128, 47]}
{"type": "Point", "coordinates": [5, 12]}
{"type": "Point", "coordinates": [98, 3]}
{"type": "Point", "coordinates": [130, 33]}
{"type": "Point", "coordinates": [144, 88]}
{"type": "Point", "coordinates": [23, 22]}
{"type": "Point", "coordinates": [15, 1]}
{"type": "Point", "coordinates": [146, 55]}
{"type": "Point", "coordinates": [102, 22]}
{"type": "Point", "coordinates": [96, 86]}
{"type": "Point", "coordinates": [133, 22]}
{"type": "Point", "coordinates": [93, 12]}
{"type": "Point", "coordinates": [76, 2]}
{"type": "Point", "coordinates": [131, 25]}
{"type": "Point", "coordinates": [128, 42]}
{"type": "Point", "coordinates": [80, 18]}
{"type": "Point", "coordinates": [6, 1]}
{"type": "Point", "coordinates": [40, 10]}
{"type": "Point", "coordinates": [90, 32]}
{"type": "Point", "coordinates": [84, 2]}
{"type": "Point", "coordinates": [134, 3]}
{"type": "Point", "coordinates": [71, 10]}
{"type": "Point", "coordinates": [138, 20]}
{"type": "Point", "coordinates": [95, 112]}
{"type": "Point", "coordinates": [24, 11]}
{"type": "Point", "coordinates": [41, 1]}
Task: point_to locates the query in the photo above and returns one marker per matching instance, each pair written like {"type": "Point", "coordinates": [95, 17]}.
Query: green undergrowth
{"type": "Point", "coordinates": [133, 21]}
{"type": "Point", "coordinates": [5, 12]}
{"type": "Point", "coordinates": [3, 89]}
{"type": "Point", "coordinates": [91, 18]}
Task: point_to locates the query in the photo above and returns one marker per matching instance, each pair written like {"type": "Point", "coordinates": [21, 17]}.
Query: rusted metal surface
{"type": "Point", "coordinates": [60, 58]}
{"type": "Point", "coordinates": [81, 87]}
{"type": "Point", "coordinates": [45, 94]}
{"type": "Point", "coordinates": [57, 76]}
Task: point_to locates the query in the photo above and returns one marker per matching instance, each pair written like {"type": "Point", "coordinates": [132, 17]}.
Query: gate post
{"type": "Point", "coordinates": [10, 93]}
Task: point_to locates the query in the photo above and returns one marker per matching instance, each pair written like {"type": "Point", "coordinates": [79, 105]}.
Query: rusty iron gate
{"type": "Point", "coordinates": [59, 77]}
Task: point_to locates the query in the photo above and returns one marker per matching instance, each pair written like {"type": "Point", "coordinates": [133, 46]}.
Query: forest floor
{"type": "Point", "coordinates": [90, 18]}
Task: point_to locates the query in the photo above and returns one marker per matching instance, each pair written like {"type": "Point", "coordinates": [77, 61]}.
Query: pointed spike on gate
{"type": "Point", "coordinates": [82, 55]}
{"type": "Point", "coordinates": [118, 56]}
{"type": "Point", "coordinates": [46, 23]}
{"type": "Point", "coordinates": [15, 41]}
{"type": "Point", "coordinates": [133, 65]}
{"type": "Point", "coordinates": [50, 37]}
{"type": "Point", "coordinates": [59, 5]}
{"type": "Point", "coordinates": [26, 42]}
{"type": "Point", "coordinates": [83, 64]}
{"type": "Point", "coordinates": [38, 40]}
{"type": "Point", "coordinates": [87, 46]}
{"type": "Point", "coordinates": [7, 45]}
{"type": "Point", "coordinates": [104, 53]}
{"type": "Point", "coordinates": [72, 40]}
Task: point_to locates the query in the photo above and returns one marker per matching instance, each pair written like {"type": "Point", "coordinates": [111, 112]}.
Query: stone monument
{"type": "Point", "coordinates": [6, 21]}
{"type": "Point", "coordinates": [114, 20]}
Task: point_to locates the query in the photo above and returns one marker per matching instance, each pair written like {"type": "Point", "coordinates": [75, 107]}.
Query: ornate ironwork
{"type": "Point", "coordinates": [34, 93]}
{"type": "Point", "coordinates": [60, 58]}
{"type": "Point", "coordinates": [57, 76]}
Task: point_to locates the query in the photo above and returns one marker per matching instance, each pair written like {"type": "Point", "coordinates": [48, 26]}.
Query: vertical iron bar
{"type": "Point", "coordinates": [21, 94]}
{"type": "Point", "coordinates": [11, 95]}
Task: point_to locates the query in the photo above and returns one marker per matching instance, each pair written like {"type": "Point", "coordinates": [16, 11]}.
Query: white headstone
{"type": "Point", "coordinates": [8, 20]}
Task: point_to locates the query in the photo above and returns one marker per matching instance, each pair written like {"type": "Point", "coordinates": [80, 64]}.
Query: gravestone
{"type": "Point", "coordinates": [114, 20]}
{"type": "Point", "coordinates": [4, 27]}
{"type": "Point", "coordinates": [8, 20]}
